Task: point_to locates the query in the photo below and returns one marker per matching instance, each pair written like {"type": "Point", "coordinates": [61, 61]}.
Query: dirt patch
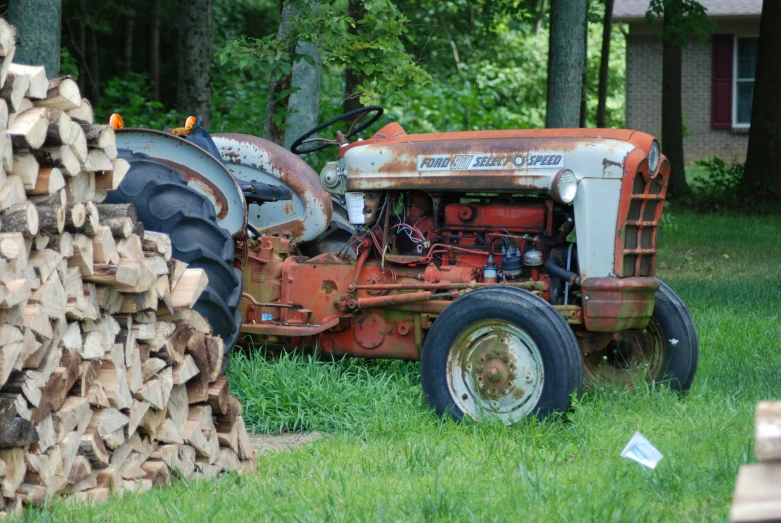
{"type": "Point", "coordinates": [288, 441]}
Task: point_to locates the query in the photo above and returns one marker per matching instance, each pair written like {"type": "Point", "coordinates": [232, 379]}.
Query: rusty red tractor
{"type": "Point", "coordinates": [518, 266]}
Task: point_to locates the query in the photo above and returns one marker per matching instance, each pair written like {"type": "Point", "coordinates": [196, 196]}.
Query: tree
{"type": "Point", "coordinates": [584, 80]}
{"type": "Point", "coordinates": [683, 19]}
{"type": "Point", "coordinates": [38, 24]}
{"type": "Point", "coordinates": [604, 64]}
{"type": "Point", "coordinates": [281, 76]}
{"type": "Point", "coordinates": [304, 102]}
{"type": "Point", "coordinates": [764, 153]}
{"type": "Point", "coordinates": [195, 53]}
{"type": "Point", "coordinates": [566, 58]}
{"type": "Point", "coordinates": [352, 78]}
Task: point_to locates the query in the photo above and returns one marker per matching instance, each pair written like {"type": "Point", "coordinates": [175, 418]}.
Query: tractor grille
{"type": "Point", "coordinates": [642, 222]}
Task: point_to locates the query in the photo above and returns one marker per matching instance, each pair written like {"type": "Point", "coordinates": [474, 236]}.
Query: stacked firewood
{"type": "Point", "coordinates": [758, 489]}
{"type": "Point", "coordinates": [108, 380]}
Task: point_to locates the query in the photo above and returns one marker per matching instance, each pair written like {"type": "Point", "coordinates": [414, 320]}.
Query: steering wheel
{"type": "Point", "coordinates": [341, 138]}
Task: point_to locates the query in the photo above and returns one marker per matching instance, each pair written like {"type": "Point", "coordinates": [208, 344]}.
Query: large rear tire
{"type": "Point", "coordinates": [166, 204]}
{"type": "Point", "coordinates": [500, 353]}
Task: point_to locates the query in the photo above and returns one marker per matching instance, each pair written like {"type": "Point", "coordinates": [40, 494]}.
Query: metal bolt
{"type": "Point", "coordinates": [493, 374]}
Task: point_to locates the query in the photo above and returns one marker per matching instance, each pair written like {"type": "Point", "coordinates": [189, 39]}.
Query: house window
{"type": "Point", "coordinates": [744, 70]}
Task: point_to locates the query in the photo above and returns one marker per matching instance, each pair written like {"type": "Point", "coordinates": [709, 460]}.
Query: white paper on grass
{"type": "Point", "coordinates": [639, 449]}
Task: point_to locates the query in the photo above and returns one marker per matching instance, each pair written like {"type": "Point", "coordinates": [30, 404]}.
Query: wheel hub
{"type": "Point", "coordinates": [494, 372]}
{"type": "Point", "coordinates": [495, 367]}
{"type": "Point", "coordinates": [629, 357]}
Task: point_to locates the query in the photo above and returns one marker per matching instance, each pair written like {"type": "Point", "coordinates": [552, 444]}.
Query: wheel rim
{"type": "Point", "coordinates": [630, 357]}
{"type": "Point", "coordinates": [494, 369]}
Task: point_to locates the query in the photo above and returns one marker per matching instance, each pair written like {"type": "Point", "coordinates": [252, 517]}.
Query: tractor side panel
{"type": "Point", "coordinates": [250, 158]}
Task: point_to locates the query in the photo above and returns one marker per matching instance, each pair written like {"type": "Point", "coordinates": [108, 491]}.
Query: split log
{"type": "Point", "coordinates": [48, 181]}
{"type": "Point", "coordinates": [110, 180]}
{"type": "Point", "coordinates": [188, 288]}
{"type": "Point", "coordinates": [29, 128]}
{"type": "Point", "coordinates": [60, 131]}
{"type": "Point", "coordinates": [79, 143]}
{"type": "Point", "coordinates": [83, 113]}
{"type": "Point", "coordinates": [51, 220]}
{"type": "Point", "coordinates": [12, 193]}
{"type": "Point", "coordinates": [7, 39]}
{"type": "Point", "coordinates": [60, 156]}
{"type": "Point", "coordinates": [62, 93]}
{"type": "Point", "coordinates": [14, 88]}
{"type": "Point", "coordinates": [22, 218]}
{"type": "Point", "coordinates": [26, 167]}
{"type": "Point", "coordinates": [39, 84]}
{"type": "Point", "coordinates": [767, 423]}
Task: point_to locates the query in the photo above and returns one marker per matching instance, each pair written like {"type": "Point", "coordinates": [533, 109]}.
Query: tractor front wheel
{"type": "Point", "coordinates": [165, 203]}
{"type": "Point", "coordinates": [500, 353]}
{"type": "Point", "coordinates": [666, 351]}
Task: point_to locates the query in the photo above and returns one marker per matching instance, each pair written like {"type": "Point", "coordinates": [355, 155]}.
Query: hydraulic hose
{"type": "Point", "coordinates": [553, 266]}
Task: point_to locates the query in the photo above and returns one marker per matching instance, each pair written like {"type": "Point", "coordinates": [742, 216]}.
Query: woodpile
{"type": "Point", "coordinates": [109, 382]}
{"type": "Point", "coordinates": [758, 489]}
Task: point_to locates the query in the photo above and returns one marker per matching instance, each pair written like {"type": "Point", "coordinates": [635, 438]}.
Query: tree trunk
{"type": "Point", "coordinates": [38, 29]}
{"type": "Point", "coordinates": [277, 102]}
{"type": "Point", "coordinates": [352, 98]}
{"type": "Point", "coordinates": [195, 52]}
{"type": "Point", "coordinates": [95, 60]}
{"type": "Point", "coordinates": [154, 50]}
{"type": "Point", "coordinates": [584, 82]}
{"type": "Point", "coordinates": [565, 62]}
{"type": "Point", "coordinates": [604, 64]}
{"type": "Point", "coordinates": [304, 103]}
{"type": "Point", "coordinates": [764, 154]}
{"type": "Point", "coordinates": [672, 114]}
{"type": "Point", "coordinates": [540, 16]}
{"type": "Point", "coordinates": [127, 45]}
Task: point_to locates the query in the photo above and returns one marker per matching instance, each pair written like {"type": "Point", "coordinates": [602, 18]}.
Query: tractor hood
{"type": "Point", "coordinates": [524, 160]}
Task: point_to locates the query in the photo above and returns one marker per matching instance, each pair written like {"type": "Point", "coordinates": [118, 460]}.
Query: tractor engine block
{"type": "Point", "coordinates": [413, 255]}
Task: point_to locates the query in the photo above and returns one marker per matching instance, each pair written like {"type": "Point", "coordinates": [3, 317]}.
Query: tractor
{"type": "Point", "coordinates": [517, 266]}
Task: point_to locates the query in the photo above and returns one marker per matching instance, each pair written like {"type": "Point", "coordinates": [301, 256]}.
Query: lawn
{"type": "Point", "coordinates": [389, 459]}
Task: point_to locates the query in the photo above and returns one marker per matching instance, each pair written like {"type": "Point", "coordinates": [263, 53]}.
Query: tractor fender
{"type": "Point", "coordinates": [204, 173]}
{"type": "Point", "coordinates": [249, 158]}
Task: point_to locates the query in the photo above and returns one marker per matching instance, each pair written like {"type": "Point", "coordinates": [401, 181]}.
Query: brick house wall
{"type": "Point", "coordinates": [644, 92]}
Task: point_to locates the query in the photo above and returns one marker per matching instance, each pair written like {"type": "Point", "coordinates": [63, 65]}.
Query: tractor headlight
{"type": "Point", "coordinates": [564, 186]}
{"type": "Point", "coordinates": [653, 158]}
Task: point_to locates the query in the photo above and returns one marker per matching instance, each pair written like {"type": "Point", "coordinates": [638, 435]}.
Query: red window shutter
{"type": "Point", "coordinates": [722, 82]}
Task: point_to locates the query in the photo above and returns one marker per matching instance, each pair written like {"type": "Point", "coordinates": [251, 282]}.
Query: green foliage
{"type": "Point", "coordinates": [130, 97]}
{"type": "Point", "coordinates": [503, 84]}
{"type": "Point", "coordinates": [376, 52]}
{"type": "Point", "coordinates": [68, 64]}
{"type": "Point", "coordinates": [719, 186]}
{"type": "Point", "coordinates": [683, 19]}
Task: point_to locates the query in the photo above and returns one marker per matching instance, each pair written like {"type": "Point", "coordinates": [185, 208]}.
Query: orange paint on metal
{"type": "Point", "coordinates": [615, 304]}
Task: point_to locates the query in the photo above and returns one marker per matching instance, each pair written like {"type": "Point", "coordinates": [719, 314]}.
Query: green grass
{"type": "Point", "coordinates": [390, 459]}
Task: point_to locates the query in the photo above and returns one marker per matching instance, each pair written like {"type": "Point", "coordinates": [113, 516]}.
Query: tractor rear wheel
{"type": "Point", "coordinates": [500, 353]}
{"type": "Point", "coordinates": [165, 203]}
